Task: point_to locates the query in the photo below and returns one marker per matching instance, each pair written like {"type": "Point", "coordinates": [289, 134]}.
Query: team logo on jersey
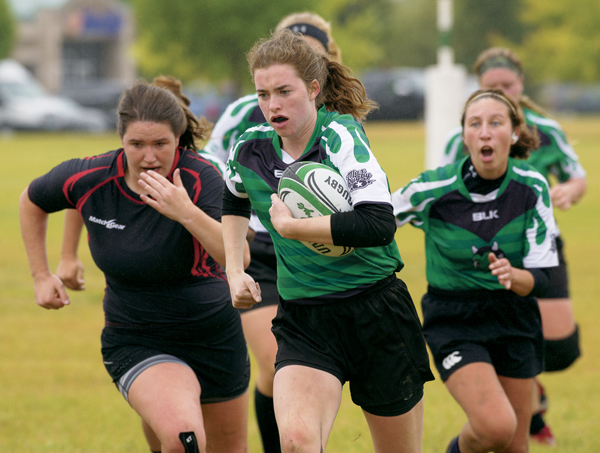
{"type": "Point", "coordinates": [491, 214]}
{"type": "Point", "coordinates": [451, 360]}
{"type": "Point", "coordinates": [278, 173]}
{"type": "Point", "coordinates": [480, 255]}
{"type": "Point", "coordinates": [110, 224]}
{"type": "Point", "coordinates": [359, 179]}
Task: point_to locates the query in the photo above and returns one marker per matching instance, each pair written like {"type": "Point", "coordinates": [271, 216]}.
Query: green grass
{"type": "Point", "coordinates": [55, 395]}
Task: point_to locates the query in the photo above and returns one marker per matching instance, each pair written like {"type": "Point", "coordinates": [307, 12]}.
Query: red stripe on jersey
{"type": "Point", "coordinates": [69, 183]}
{"type": "Point", "coordinates": [197, 187]}
{"type": "Point", "coordinates": [206, 161]}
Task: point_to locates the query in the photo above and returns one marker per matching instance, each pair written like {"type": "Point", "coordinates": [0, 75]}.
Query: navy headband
{"type": "Point", "coordinates": [499, 61]}
{"type": "Point", "coordinates": [312, 31]}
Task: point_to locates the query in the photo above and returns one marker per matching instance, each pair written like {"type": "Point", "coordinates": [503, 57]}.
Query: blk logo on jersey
{"type": "Point", "coordinates": [451, 360]}
{"type": "Point", "coordinates": [479, 216]}
{"type": "Point", "coordinates": [359, 179]}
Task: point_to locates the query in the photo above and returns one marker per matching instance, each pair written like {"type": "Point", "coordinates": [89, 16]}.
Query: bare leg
{"type": "Point", "coordinates": [492, 420]}
{"type": "Point", "coordinates": [399, 434]}
{"type": "Point", "coordinates": [306, 403]}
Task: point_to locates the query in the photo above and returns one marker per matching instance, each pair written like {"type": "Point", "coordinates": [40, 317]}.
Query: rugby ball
{"type": "Point", "coordinates": [312, 189]}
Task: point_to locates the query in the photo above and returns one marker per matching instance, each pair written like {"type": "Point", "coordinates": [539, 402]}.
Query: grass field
{"type": "Point", "coordinates": [55, 395]}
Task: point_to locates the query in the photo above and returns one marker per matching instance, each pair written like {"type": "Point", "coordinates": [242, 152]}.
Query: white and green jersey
{"type": "Point", "coordinates": [255, 165]}
{"type": "Point", "coordinates": [461, 228]}
{"type": "Point", "coordinates": [555, 156]}
{"type": "Point", "coordinates": [237, 117]}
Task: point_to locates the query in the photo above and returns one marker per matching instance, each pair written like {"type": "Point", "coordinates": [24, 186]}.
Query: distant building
{"type": "Point", "coordinates": [72, 44]}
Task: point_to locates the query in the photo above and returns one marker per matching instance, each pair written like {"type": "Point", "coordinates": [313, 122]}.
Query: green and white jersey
{"type": "Point", "coordinates": [218, 163]}
{"type": "Point", "coordinates": [555, 156]}
{"type": "Point", "coordinates": [237, 117]}
{"type": "Point", "coordinates": [255, 165]}
{"type": "Point", "coordinates": [461, 228]}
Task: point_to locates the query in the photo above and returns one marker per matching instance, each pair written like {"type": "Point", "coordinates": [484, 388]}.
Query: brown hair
{"type": "Point", "coordinates": [333, 50]}
{"type": "Point", "coordinates": [501, 57]}
{"type": "Point", "coordinates": [528, 138]}
{"type": "Point", "coordinates": [161, 102]}
{"type": "Point", "coordinates": [340, 91]}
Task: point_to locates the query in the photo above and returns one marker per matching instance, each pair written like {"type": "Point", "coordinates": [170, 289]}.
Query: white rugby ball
{"type": "Point", "coordinates": [312, 189]}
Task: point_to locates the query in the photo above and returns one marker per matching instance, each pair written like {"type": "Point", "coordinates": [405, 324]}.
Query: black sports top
{"type": "Point", "coordinates": [156, 272]}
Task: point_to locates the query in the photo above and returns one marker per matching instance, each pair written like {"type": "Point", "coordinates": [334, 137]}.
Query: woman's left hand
{"type": "Point", "coordinates": [280, 215]}
{"type": "Point", "coordinates": [501, 268]}
{"type": "Point", "coordinates": [171, 200]}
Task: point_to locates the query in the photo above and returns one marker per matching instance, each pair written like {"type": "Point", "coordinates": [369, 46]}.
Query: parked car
{"type": "Point", "coordinates": [570, 97]}
{"type": "Point", "coordinates": [400, 93]}
{"type": "Point", "coordinates": [24, 104]}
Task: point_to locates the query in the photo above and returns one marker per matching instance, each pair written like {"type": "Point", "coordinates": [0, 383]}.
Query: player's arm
{"type": "Point", "coordinates": [70, 269]}
{"type": "Point", "coordinates": [567, 193]}
{"type": "Point", "coordinates": [49, 291]}
{"type": "Point", "coordinates": [173, 201]}
{"type": "Point", "coordinates": [245, 292]}
{"type": "Point", "coordinates": [368, 225]}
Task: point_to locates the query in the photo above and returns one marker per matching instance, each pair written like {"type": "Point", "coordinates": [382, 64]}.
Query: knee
{"type": "Point", "coordinates": [497, 432]}
{"type": "Point", "coordinates": [297, 440]}
{"type": "Point", "coordinates": [560, 354]}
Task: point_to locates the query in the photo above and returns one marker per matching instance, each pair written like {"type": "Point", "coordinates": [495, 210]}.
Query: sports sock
{"type": "Point", "coordinates": [265, 416]}
{"type": "Point", "coordinates": [537, 423]}
{"type": "Point", "coordinates": [453, 447]}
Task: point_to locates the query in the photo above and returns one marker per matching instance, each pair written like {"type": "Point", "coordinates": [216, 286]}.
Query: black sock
{"type": "Point", "coordinates": [537, 423]}
{"type": "Point", "coordinates": [265, 416]}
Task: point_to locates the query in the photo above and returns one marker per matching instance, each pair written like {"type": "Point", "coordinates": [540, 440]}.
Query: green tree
{"type": "Point", "coordinates": [481, 24]}
{"type": "Point", "coordinates": [7, 29]}
{"type": "Point", "coordinates": [207, 39]}
{"type": "Point", "coordinates": [563, 40]}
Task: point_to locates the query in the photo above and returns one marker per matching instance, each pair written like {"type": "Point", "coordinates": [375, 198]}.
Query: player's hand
{"type": "Point", "coordinates": [560, 196]}
{"type": "Point", "coordinates": [281, 216]}
{"type": "Point", "coordinates": [171, 200]}
{"type": "Point", "coordinates": [70, 271]}
{"type": "Point", "coordinates": [245, 292]}
{"type": "Point", "coordinates": [49, 291]}
{"type": "Point", "coordinates": [502, 269]}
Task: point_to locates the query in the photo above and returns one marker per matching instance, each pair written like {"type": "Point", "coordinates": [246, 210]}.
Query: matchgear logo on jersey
{"type": "Point", "coordinates": [451, 360]}
{"type": "Point", "coordinates": [479, 216]}
{"type": "Point", "coordinates": [359, 179]}
{"type": "Point", "coordinates": [278, 173]}
{"type": "Point", "coordinates": [110, 224]}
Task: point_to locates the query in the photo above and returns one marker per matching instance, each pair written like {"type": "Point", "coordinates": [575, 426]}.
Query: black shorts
{"type": "Point", "coordinates": [559, 279]}
{"type": "Point", "coordinates": [213, 348]}
{"type": "Point", "coordinates": [263, 269]}
{"type": "Point", "coordinates": [373, 340]}
{"type": "Point", "coordinates": [497, 327]}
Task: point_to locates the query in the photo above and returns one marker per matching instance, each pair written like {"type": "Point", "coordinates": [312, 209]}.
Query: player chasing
{"type": "Point", "coordinates": [502, 69]}
{"type": "Point", "coordinates": [490, 245]}
{"type": "Point", "coordinates": [172, 343]}
{"type": "Point", "coordinates": [339, 319]}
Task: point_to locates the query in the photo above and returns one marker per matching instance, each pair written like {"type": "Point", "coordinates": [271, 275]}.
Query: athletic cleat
{"type": "Point", "coordinates": [544, 437]}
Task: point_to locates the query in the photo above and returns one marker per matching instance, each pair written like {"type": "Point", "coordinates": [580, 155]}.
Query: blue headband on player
{"type": "Point", "coordinates": [312, 31]}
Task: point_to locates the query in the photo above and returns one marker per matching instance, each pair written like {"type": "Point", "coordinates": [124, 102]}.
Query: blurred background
{"type": "Point", "coordinates": [63, 63]}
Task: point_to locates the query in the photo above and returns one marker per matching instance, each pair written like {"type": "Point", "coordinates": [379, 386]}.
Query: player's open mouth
{"type": "Point", "coordinates": [147, 169]}
{"type": "Point", "coordinates": [486, 151]}
{"type": "Point", "coordinates": [279, 119]}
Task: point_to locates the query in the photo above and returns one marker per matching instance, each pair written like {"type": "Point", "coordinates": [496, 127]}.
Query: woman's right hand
{"type": "Point", "coordinates": [50, 292]}
{"type": "Point", "coordinates": [70, 271]}
{"type": "Point", "coordinates": [245, 292]}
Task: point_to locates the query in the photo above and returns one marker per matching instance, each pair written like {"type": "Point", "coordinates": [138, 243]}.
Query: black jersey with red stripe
{"type": "Point", "coordinates": [156, 271]}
